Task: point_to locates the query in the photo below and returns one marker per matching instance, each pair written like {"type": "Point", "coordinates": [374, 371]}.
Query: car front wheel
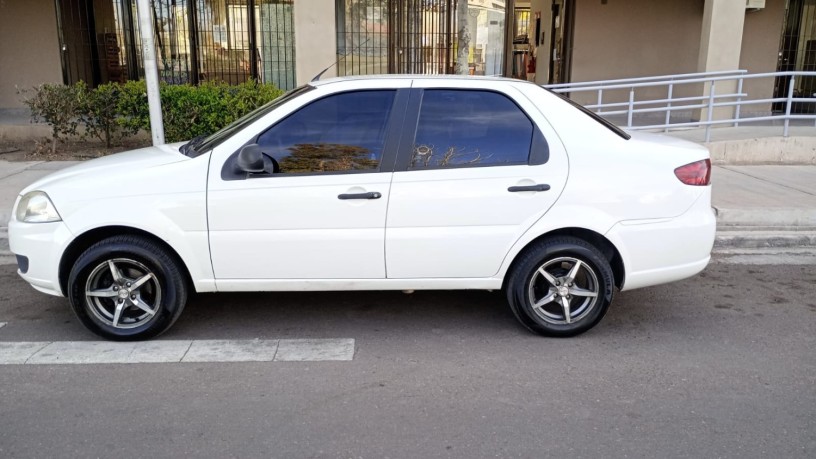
{"type": "Point", "coordinates": [560, 287]}
{"type": "Point", "coordinates": [127, 288]}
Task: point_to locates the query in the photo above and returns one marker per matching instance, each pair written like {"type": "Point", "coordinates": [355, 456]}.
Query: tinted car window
{"type": "Point", "coordinates": [342, 132]}
{"type": "Point", "coordinates": [460, 128]}
{"type": "Point", "coordinates": [220, 136]}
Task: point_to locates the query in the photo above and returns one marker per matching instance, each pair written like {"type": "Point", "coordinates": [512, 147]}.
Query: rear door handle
{"type": "Point", "coordinates": [369, 195]}
{"type": "Point", "coordinates": [539, 187]}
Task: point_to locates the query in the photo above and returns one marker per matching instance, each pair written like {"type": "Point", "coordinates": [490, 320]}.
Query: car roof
{"type": "Point", "coordinates": [413, 77]}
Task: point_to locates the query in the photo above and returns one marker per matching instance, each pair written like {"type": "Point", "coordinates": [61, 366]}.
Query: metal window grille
{"type": "Point", "coordinates": [522, 21]}
{"type": "Point", "coordinates": [196, 40]}
{"type": "Point", "coordinates": [416, 36]}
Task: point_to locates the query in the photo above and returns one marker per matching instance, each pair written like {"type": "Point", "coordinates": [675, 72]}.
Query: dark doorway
{"type": "Point", "coordinates": [797, 52]}
{"type": "Point", "coordinates": [77, 47]}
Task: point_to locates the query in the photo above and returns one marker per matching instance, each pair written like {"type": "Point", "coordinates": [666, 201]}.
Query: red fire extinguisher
{"type": "Point", "coordinates": [531, 64]}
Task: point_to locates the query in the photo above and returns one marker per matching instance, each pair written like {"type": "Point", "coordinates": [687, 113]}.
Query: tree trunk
{"type": "Point", "coordinates": [463, 38]}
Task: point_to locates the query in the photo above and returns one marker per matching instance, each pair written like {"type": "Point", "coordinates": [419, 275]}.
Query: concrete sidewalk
{"type": "Point", "coordinates": [757, 206]}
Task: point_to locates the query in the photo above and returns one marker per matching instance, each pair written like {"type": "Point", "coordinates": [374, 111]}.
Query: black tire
{"type": "Point", "coordinates": [559, 255]}
{"type": "Point", "coordinates": [164, 292]}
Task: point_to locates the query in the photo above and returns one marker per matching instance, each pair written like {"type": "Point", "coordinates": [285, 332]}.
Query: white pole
{"type": "Point", "coordinates": [151, 71]}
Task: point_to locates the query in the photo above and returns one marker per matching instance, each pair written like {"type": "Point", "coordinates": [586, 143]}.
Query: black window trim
{"type": "Point", "coordinates": [539, 147]}
{"type": "Point", "coordinates": [595, 117]}
{"type": "Point", "coordinates": [396, 118]}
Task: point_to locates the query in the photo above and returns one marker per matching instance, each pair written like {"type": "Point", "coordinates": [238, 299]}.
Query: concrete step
{"type": "Point", "coordinates": [752, 239]}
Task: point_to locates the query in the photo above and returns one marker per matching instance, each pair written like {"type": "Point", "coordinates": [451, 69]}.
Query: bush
{"type": "Point", "coordinates": [113, 111]}
{"type": "Point", "coordinates": [57, 105]}
{"type": "Point", "coordinates": [99, 113]}
{"type": "Point", "coordinates": [190, 111]}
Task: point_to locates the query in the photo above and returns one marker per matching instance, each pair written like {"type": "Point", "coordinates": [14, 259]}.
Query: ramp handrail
{"type": "Point", "coordinates": [733, 98]}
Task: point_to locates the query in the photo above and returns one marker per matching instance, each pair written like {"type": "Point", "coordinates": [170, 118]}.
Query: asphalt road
{"type": "Point", "coordinates": [721, 365]}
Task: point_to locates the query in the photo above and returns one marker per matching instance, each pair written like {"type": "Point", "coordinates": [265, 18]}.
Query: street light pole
{"type": "Point", "coordinates": [151, 71]}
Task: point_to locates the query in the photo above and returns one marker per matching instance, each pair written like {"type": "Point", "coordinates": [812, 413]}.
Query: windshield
{"type": "Point", "coordinates": [216, 139]}
{"type": "Point", "coordinates": [605, 122]}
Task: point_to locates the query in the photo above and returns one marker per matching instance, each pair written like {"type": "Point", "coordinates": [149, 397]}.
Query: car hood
{"type": "Point", "coordinates": [112, 165]}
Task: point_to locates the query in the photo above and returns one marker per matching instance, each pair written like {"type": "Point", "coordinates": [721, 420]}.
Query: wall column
{"type": "Point", "coordinates": [720, 45]}
{"type": "Point", "coordinates": [315, 39]}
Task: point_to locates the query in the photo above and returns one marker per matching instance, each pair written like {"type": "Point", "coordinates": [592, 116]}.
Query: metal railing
{"type": "Point", "coordinates": [702, 106]}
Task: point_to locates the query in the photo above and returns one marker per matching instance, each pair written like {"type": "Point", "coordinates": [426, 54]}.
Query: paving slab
{"type": "Point", "coordinates": [799, 178]}
{"type": "Point", "coordinates": [763, 187]}
{"type": "Point", "coordinates": [9, 168]}
{"type": "Point", "coordinates": [765, 196]}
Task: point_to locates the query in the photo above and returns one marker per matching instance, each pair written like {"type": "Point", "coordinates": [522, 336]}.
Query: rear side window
{"type": "Point", "coordinates": [466, 128]}
{"type": "Point", "coordinates": [338, 133]}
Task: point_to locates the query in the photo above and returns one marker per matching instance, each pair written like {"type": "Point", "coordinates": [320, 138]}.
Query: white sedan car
{"type": "Point", "coordinates": [377, 183]}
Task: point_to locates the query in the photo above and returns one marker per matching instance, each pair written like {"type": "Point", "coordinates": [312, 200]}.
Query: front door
{"type": "Point", "coordinates": [476, 175]}
{"type": "Point", "coordinates": [321, 213]}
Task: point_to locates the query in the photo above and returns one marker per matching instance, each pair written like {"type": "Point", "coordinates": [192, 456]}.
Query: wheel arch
{"type": "Point", "coordinates": [598, 240]}
{"type": "Point", "coordinates": [85, 240]}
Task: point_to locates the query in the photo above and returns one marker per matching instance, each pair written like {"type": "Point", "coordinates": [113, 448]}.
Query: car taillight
{"type": "Point", "coordinates": [697, 173]}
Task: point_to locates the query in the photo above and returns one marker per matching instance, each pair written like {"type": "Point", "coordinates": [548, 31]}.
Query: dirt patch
{"type": "Point", "coordinates": [72, 150]}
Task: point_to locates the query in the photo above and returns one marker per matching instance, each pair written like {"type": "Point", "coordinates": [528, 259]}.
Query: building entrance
{"type": "Point", "coordinates": [420, 36]}
{"type": "Point", "coordinates": [196, 40]}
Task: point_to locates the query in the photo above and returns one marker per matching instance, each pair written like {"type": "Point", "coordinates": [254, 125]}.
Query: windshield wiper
{"type": "Point", "coordinates": [188, 149]}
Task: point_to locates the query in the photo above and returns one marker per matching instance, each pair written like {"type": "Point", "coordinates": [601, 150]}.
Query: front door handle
{"type": "Point", "coordinates": [369, 195]}
{"type": "Point", "coordinates": [539, 187]}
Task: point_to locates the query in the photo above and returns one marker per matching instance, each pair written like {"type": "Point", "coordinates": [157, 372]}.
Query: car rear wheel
{"type": "Point", "coordinates": [560, 287]}
{"type": "Point", "coordinates": [127, 288]}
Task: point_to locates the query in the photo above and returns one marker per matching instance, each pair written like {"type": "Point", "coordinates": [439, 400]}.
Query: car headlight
{"type": "Point", "coordinates": [36, 207]}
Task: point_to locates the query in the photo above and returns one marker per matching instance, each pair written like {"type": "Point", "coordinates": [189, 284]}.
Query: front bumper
{"type": "Point", "coordinates": [42, 244]}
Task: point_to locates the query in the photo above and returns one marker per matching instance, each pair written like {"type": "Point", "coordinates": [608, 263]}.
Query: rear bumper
{"type": "Point", "coordinates": [658, 251]}
{"type": "Point", "coordinates": [42, 245]}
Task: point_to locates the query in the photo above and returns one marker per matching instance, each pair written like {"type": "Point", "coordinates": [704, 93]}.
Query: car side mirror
{"type": "Point", "coordinates": [250, 159]}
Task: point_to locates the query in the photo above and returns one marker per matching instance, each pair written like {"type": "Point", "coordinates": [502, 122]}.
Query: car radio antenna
{"type": "Point", "coordinates": [337, 61]}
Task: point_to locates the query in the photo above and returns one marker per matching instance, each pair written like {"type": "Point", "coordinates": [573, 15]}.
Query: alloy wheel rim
{"type": "Point", "coordinates": [123, 293]}
{"type": "Point", "coordinates": [563, 290]}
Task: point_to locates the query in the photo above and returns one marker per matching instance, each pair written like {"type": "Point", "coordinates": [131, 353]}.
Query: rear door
{"type": "Point", "coordinates": [480, 167]}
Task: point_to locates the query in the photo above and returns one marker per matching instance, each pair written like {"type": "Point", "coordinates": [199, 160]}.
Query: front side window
{"type": "Point", "coordinates": [461, 128]}
{"type": "Point", "coordinates": [338, 133]}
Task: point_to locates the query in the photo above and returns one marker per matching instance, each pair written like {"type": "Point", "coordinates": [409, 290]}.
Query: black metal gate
{"type": "Point", "coordinates": [396, 36]}
{"type": "Point", "coordinates": [797, 52]}
{"type": "Point", "coordinates": [196, 40]}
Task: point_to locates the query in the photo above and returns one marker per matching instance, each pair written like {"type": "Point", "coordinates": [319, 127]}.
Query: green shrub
{"type": "Point", "coordinates": [57, 105]}
{"type": "Point", "coordinates": [99, 113]}
{"type": "Point", "coordinates": [190, 111]}
{"type": "Point", "coordinates": [113, 111]}
{"type": "Point", "coordinates": [132, 106]}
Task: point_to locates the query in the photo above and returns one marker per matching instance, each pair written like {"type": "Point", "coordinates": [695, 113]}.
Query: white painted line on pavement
{"type": "Point", "coordinates": [175, 351]}
{"type": "Point", "coordinates": [18, 353]}
{"type": "Point", "coordinates": [79, 352]}
{"type": "Point", "coordinates": [3, 324]}
{"type": "Point", "coordinates": [306, 350]}
{"type": "Point", "coordinates": [232, 351]}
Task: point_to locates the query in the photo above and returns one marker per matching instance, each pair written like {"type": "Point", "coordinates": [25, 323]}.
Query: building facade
{"type": "Point", "coordinates": [287, 42]}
